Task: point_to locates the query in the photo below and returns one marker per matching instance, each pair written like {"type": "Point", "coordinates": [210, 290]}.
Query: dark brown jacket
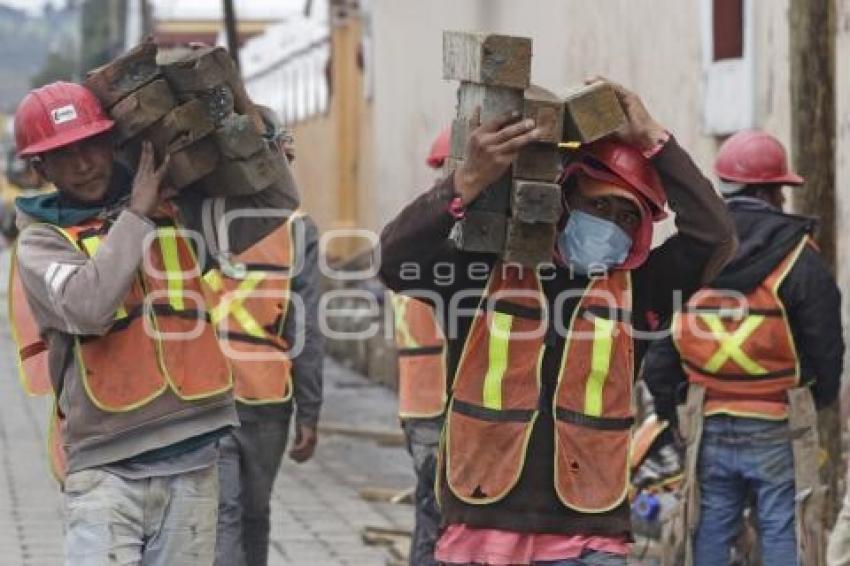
{"type": "Point", "coordinates": [418, 257]}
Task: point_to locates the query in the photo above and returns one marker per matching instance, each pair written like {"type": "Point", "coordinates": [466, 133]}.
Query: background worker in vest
{"type": "Point", "coordinates": [141, 484]}
{"type": "Point", "coordinates": [791, 337]}
{"type": "Point", "coordinates": [251, 454]}
{"type": "Point", "coordinates": [422, 395]}
{"type": "Point", "coordinates": [534, 468]}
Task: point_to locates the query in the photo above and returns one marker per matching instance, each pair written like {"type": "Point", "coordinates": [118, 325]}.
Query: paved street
{"type": "Point", "coordinates": [317, 513]}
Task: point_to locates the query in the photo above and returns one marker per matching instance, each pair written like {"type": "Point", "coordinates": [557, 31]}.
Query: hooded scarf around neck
{"type": "Point", "coordinates": [60, 209]}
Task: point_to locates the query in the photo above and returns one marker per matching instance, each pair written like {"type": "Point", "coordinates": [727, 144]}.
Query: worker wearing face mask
{"type": "Point", "coordinates": [534, 456]}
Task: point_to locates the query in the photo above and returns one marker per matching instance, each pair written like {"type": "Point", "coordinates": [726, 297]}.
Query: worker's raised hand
{"type": "Point", "coordinates": [147, 184]}
{"type": "Point", "coordinates": [641, 129]}
{"type": "Point", "coordinates": [491, 149]}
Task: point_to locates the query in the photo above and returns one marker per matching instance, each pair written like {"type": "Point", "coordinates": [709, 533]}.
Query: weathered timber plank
{"type": "Point", "coordinates": [535, 201]}
{"type": "Point", "coordinates": [529, 244]}
{"type": "Point", "coordinates": [142, 108]}
{"type": "Point", "coordinates": [495, 101]}
{"type": "Point", "coordinates": [538, 162]}
{"type": "Point", "coordinates": [547, 111]}
{"type": "Point", "coordinates": [592, 112]}
{"type": "Point", "coordinates": [129, 72]}
{"type": "Point", "coordinates": [489, 59]}
{"type": "Point", "coordinates": [180, 128]}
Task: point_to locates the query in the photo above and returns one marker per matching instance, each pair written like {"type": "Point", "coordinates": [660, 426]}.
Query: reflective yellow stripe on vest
{"type": "Point", "coordinates": [235, 306]}
{"type": "Point", "coordinates": [500, 335]}
{"type": "Point", "coordinates": [402, 328]}
{"type": "Point", "coordinates": [91, 244]}
{"type": "Point", "coordinates": [167, 237]}
{"type": "Point", "coordinates": [730, 345]}
{"type": "Point", "coordinates": [600, 364]}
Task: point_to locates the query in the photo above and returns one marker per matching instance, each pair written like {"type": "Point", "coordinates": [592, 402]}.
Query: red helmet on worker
{"type": "Point", "coordinates": [629, 175]}
{"type": "Point", "coordinates": [754, 157]}
{"type": "Point", "coordinates": [57, 115]}
{"type": "Point", "coordinates": [440, 149]}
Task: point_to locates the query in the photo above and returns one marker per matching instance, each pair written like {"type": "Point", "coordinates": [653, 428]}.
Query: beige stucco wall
{"type": "Point", "coordinates": [315, 159]}
{"type": "Point", "coordinates": [315, 168]}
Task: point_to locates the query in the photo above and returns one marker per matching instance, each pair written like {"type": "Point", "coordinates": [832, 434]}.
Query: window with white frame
{"type": "Point", "coordinates": [728, 91]}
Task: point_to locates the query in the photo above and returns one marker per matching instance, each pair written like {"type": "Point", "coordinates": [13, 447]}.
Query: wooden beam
{"type": "Point", "coordinates": [812, 29]}
{"type": "Point", "coordinates": [592, 112]}
{"type": "Point", "coordinates": [812, 53]}
{"type": "Point", "coordinates": [487, 59]}
{"type": "Point", "coordinates": [346, 110]}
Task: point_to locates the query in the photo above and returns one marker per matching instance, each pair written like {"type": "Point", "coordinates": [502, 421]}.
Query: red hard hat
{"type": "Point", "coordinates": [629, 166]}
{"type": "Point", "coordinates": [751, 156]}
{"type": "Point", "coordinates": [440, 149]}
{"type": "Point", "coordinates": [57, 115]}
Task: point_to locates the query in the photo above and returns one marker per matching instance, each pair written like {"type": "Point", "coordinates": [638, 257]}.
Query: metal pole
{"type": "Point", "coordinates": [230, 31]}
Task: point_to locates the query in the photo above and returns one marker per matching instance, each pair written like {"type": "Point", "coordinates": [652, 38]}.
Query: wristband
{"type": "Point", "coordinates": [659, 145]}
{"type": "Point", "coordinates": [457, 209]}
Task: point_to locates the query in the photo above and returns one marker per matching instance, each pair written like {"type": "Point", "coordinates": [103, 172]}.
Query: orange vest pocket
{"type": "Point", "coordinates": [591, 462]}
{"type": "Point", "coordinates": [486, 450]}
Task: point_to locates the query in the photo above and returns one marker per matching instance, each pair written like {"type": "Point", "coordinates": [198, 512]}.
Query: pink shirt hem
{"type": "Point", "coordinates": [460, 544]}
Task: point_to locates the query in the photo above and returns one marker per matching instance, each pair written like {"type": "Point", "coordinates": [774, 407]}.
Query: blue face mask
{"type": "Point", "coordinates": [591, 244]}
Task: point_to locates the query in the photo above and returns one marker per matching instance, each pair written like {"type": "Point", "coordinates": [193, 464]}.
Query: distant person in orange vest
{"type": "Point", "coordinates": [271, 390]}
{"type": "Point", "coordinates": [422, 396]}
{"type": "Point", "coordinates": [766, 329]}
{"type": "Point", "coordinates": [535, 452]}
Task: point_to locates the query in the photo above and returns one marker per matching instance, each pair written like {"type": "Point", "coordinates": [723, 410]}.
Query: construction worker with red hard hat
{"type": "Point", "coordinates": [760, 348]}
{"type": "Point", "coordinates": [420, 346]}
{"type": "Point", "coordinates": [535, 452]}
{"type": "Point", "coordinates": [110, 315]}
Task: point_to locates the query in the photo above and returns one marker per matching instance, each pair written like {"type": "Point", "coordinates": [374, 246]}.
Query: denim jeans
{"type": "Point", "coordinates": [157, 521]}
{"type": "Point", "coordinates": [423, 439]}
{"type": "Point", "coordinates": [249, 460]}
{"type": "Point", "coordinates": [741, 457]}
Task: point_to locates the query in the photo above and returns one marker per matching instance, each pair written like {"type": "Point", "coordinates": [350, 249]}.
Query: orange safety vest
{"type": "Point", "coordinates": [31, 351]}
{"type": "Point", "coordinates": [251, 297]}
{"type": "Point", "coordinates": [31, 359]}
{"type": "Point", "coordinates": [160, 339]}
{"type": "Point", "coordinates": [496, 393]}
{"type": "Point", "coordinates": [743, 353]}
{"type": "Point", "coordinates": [421, 367]}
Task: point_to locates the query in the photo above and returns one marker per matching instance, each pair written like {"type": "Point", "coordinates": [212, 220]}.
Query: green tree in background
{"type": "Point", "coordinates": [57, 67]}
{"type": "Point", "coordinates": [103, 23]}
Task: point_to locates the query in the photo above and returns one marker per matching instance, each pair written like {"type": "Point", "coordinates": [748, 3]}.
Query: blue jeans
{"type": "Point", "coordinates": [741, 457]}
{"type": "Point", "coordinates": [157, 521]}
